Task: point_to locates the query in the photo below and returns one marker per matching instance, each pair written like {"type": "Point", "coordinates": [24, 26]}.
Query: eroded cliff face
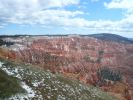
{"type": "Point", "coordinates": [80, 49]}
{"type": "Point", "coordinates": [80, 58]}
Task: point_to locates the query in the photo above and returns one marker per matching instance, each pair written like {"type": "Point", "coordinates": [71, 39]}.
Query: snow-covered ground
{"type": "Point", "coordinates": [17, 47]}
{"type": "Point", "coordinates": [29, 92]}
{"type": "Point", "coordinates": [43, 85]}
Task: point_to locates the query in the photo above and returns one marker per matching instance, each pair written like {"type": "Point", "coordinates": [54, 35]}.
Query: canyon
{"type": "Point", "coordinates": [77, 57]}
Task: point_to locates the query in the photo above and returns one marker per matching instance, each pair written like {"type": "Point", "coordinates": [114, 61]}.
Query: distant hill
{"type": "Point", "coordinates": [131, 39]}
{"type": "Point", "coordinates": [101, 36]}
{"type": "Point", "coordinates": [111, 37]}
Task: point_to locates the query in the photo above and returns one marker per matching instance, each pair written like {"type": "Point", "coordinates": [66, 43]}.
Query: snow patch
{"type": "Point", "coordinates": [5, 69]}
{"type": "Point", "coordinates": [1, 64]}
{"type": "Point", "coordinates": [15, 72]}
{"type": "Point", "coordinates": [30, 93]}
{"type": "Point", "coordinates": [36, 84]}
{"type": "Point", "coordinates": [17, 47]}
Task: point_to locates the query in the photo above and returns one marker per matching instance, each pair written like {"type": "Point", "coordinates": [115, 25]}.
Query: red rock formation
{"type": "Point", "coordinates": [66, 55]}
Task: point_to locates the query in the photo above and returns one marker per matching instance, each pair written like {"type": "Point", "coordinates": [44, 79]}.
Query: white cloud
{"type": "Point", "coordinates": [121, 4]}
{"type": "Point", "coordinates": [2, 25]}
{"type": "Point", "coordinates": [60, 3]}
{"type": "Point", "coordinates": [125, 24]}
{"type": "Point", "coordinates": [42, 12]}
{"type": "Point", "coordinates": [35, 11]}
{"type": "Point", "coordinates": [38, 12]}
{"type": "Point", "coordinates": [44, 17]}
{"type": "Point", "coordinates": [36, 4]}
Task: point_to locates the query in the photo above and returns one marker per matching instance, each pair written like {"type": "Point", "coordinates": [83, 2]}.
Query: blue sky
{"type": "Point", "coordinates": [66, 17]}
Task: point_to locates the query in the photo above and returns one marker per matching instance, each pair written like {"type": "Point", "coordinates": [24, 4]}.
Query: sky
{"type": "Point", "coordinates": [40, 17]}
